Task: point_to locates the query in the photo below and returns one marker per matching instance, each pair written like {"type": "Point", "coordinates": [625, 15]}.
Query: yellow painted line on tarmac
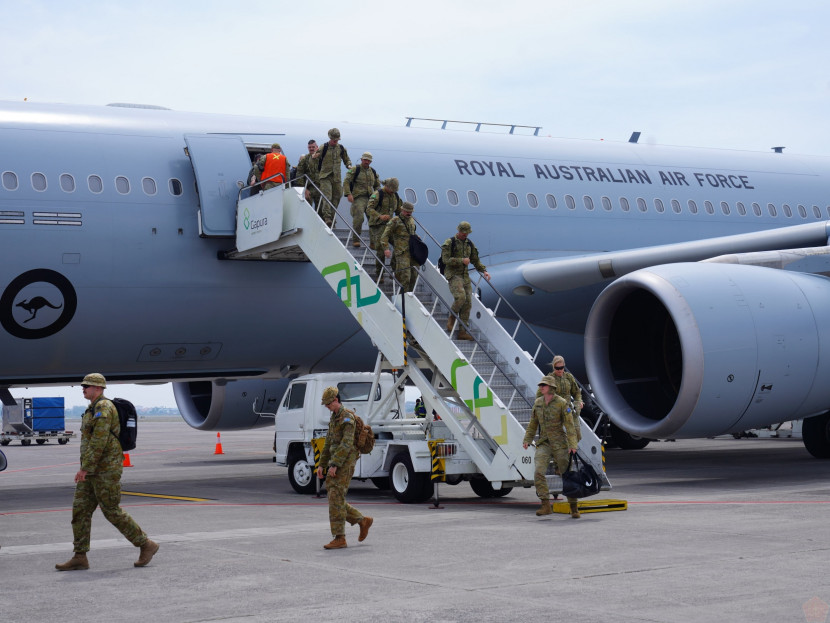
{"type": "Point", "coordinates": [166, 497]}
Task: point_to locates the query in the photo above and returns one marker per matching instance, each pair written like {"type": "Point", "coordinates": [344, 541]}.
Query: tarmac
{"type": "Point", "coordinates": [715, 530]}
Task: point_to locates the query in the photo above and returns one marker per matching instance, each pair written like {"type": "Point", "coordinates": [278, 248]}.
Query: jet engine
{"type": "Point", "coordinates": [227, 404]}
{"type": "Point", "coordinates": [697, 350]}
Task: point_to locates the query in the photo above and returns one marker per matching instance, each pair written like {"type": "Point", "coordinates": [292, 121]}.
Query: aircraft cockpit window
{"type": "Point", "coordinates": [95, 184]}
{"type": "Point", "coordinates": [802, 211]}
{"type": "Point", "coordinates": [788, 211]}
{"type": "Point", "coordinates": [710, 209]}
{"type": "Point", "coordinates": [472, 197]}
{"type": "Point", "coordinates": [551, 201]}
{"type": "Point", "coordinates": [452, 197]}
{"type": "Point", "coordinates": [676, 207]}
{"type": "Point", "coordinates": [606, 203]}
{"type": "Point", "coordinates": [39, 182]}
{"type": "Point", "coordinates": [149, 186]}
{"type": "Point", "coordinates": [296, 399]}
{"type": "Point", "coordinates": [570, 202]}
{"type": "Point", "coordinates": [67, 183]}
{"type": "Point", "coordinates": [175, 187]}
{"type": "Point", "coordinates": [816, 211]}
{"type": "Point", "coordinates": [532, 201]}
{"type": "Point", "coordinates": [771, 209]}
{"type": "Point", "coordinates": [725, 208]}
{"type": "Point", "coordinates": [513, 200]}
{"type": "Point", "coordinates": [624, 205]}
{"type": "Point", "coordinates": [9, 180]}
{"type": "Point", "coordinates": [410, 195]}
{"type": "Point", "coordinates": [122, 185]}
{"type": "Point", "coordinates": [756, 209]}
{"type": "Point", "coordinates": [641, 203]}
{"type": "Point", "coordinates": [589, 203]}
{"type": "Point", "coordinates": [658, 205]}
{"type": "Point", "coordinates": [692, 206]}
{"type": "Point", "coordinates": [432, 197]}
{"type": "Point", "coordinates": [741, 208]}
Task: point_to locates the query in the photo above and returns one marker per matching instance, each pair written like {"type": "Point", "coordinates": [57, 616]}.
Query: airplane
{"type": "Point", "coordinates": [686, 285]}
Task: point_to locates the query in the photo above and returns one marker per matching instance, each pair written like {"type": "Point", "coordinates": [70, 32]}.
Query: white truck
{"type": "Point", "coordinates": [410, 453]}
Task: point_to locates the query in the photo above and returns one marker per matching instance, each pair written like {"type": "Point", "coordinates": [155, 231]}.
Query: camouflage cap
{"type": "Point", "coordinates": [407, 207]}
{"type": "Point", "coordinates": [464, 227]}
{"type": "Point", "coordinates": [392, 183]}
{"type": "Point", "coordinates": [95, 379]}
{"type": "Point", "coordinates": [366, 156]}
{"type": "Point", "coordinates": [334, 133]}
{"type": "Point", "coordinates": [329, 395]}
{"type": "Point", "coordinates": [548, 380]}
{"type": "Point", "coordinates": [276, 146]}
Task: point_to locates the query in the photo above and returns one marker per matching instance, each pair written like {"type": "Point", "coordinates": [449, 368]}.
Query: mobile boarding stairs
{"type": "Point", "coordinates": [482, 390]}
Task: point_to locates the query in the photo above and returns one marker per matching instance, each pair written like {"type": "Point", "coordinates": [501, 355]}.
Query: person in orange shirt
{"type": "Point", "coordinates": [273, 167]}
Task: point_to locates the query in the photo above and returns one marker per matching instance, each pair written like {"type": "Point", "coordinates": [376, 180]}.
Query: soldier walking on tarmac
{"type": "Point", "coordinates": [337, 463]}
{"type": "Point", "coordinates": [98, 481]}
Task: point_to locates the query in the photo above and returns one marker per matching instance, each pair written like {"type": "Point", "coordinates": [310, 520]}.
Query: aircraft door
{"type": "Point", "coordinates": [220, 164]}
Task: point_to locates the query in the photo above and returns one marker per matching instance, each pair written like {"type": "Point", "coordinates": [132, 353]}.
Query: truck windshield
{"type": "Point", "coordinates": [356, 392]}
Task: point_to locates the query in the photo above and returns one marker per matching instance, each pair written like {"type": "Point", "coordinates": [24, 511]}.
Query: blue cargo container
{"type": "Point", "coordinates": [47, 414]}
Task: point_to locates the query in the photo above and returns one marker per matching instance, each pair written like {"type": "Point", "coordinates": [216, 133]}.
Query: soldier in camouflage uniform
{"type": "Point", "coordinates": [98, 481]}
{"type": "Point", "coordinates": [361, 181]}
{"type": "Point", "coordinates": [307, 166]}
{"type": "Point", "coordinates": [382, 206]}
{"type": "Point", "coordinates": [557, 439]}
{"type": "Point", "coordinates": [328, 168]}
{"type": "Point", "coordinates": [458, 253]}
{"type": "Point", "coordinates": [337, 463]}
{"type": "Point", "coordinates": [568, 388]}
{"type": "Point", "coordinates": [398, 231]}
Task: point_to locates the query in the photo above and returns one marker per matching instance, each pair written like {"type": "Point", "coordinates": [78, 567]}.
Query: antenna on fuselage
{"type": "Point", "coordinates": [778, 150]}
{"type": "Point", "coordinates": [635, 136]}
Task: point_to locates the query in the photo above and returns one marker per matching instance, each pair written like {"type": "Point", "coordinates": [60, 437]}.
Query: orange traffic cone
{"type": "Point", "coordinates": [126, 462]}
{"type": "Point", "coordinates": [218, 445]}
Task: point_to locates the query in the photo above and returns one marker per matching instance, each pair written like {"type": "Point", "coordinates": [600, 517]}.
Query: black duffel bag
{"type": "Point", "coordinates": [418, 249]}
{"type": "Point", "coordinates": [579, 480]}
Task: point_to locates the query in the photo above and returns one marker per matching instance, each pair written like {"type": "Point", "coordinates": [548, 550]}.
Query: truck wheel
{"type": "Point", "coordinates": [301, 474]}
{"type": "Point", "coordinates": [62, 441]}
{"type": "Point", "coordinates": [483, 489]}
{"type": "Point", "coordinates": [40, 442]}
{"type": "Point", "coordinates": [381, 482]}
{"type": "Point", "coordinates": [408, 485]}
{"type": "Point", "coordinates": [25, 442]}
{"type": "Point", "coordinates": [5, 442]}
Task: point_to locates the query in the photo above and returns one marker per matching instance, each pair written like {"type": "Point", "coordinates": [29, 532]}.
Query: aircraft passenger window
{"type": "Point", "coordinates": [296, 398]}
{"type": "Point", "coordinates": [532, 201]}
{"type": "Point", "coordinates": [175, 187]}
{"type": "Point", "coordinates": [551, 201]}
{"type": "Point", "coordinates": [641, 203]}
{"type": "Point", "coordinates": [787, 211]}
{"type": "Point", "coordinates": [606, 203]}
{"type": "Point", "coordinates": [95, 184]}
{"type": "Point", "coordinates": [658, 205]}
{"type": "Point", "coordinates": [472, 197]}
{"type": "Point", "coordinates": [675, 205]}
{"type": "Point", "coordinates": [67, 183]}
{"type": "Point", "coordinates": [39, 181]}
{"type": "Point", "coordinates": [589, 203]}
{"type": "Point", "coordinates": [710, 209]}
{"type": "Point", "coordinates": [802, 211]}
{"type": "Point", "coordinates": [149, 186]}
{"type": "Point", "coordinates": [122, 184]}
{"type": "Point", "coordinates": [725, 208]}
{"type": "Point", "coordinates": [410, 195]}
{"type": "Point", "coordinates": [9, 180]}
{"type": "Point", "coordinates": [570, 202]}
{"type": "Point", "coordinates": [816, 211]}
{"type": "Point", "coordinates": [452, 197]}
{"type": "Point", "coordinates": [624, 204]}
{"type": "Point", "coordinates": [741, 208]}
{"type": "Point", "coordinates": [513, 200]}
{"type": "Point", "coordinates": [756, 209]}
{"type": "Point", "coordinates": [692, 206]}
{"type": "Point", "coordinates": [432, 197]}
{"type": "Point", "coordinates": [771, 209]}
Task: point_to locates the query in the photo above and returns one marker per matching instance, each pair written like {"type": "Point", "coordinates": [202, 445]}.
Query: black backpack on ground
{"type": "Point", "coordinates": [128, 419]}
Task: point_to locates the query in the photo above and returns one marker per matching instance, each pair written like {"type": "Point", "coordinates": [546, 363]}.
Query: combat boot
{"type": "Point", "coordinates": [364, 524]}
{"type": "Point", "coordinates": [450, 323]}
{"type": "Point", "coordinates": [338, 542]}
{"type": "Point", "coordinates": [575, 510]}
{"type": "Point", "coordinates": [148, 550]}
{"type": "Point", "coordinates": [77, 562]}
{"type": "Point", "coordinates": [463, 335]}
{"type": "Point", "coordinates": [356, 243]}
{"type": "Point", "coordinates": [545, 509]}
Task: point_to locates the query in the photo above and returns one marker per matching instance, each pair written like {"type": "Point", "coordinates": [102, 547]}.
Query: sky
{"type": "Point", "coordinates": [734, 74]}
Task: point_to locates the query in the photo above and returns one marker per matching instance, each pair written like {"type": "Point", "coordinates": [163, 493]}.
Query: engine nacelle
{"type": "Point", "coordinates": [229, 405]}
{"type": "Point", "coordinates": [697, 350]}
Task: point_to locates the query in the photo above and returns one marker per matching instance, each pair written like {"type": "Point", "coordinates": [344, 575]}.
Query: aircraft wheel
{"type": "Point", "coordinates": [815, 433]}
{"type": "Point", "coordinates": [483, 489]}
{"type": "Point", "coordinates": [381, 482]}
{"type": "Point", "coordinates": [301, 474]}
{"type": "Point", "coordinates": [408, 485]}
{"type": "Point", "coordinates": [626, 441]}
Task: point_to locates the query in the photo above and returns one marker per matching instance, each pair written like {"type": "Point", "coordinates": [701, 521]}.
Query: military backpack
{"type": "Point", "coordinates": [364, 438]}
{"type": "Point", "coordinates": [128, 418]}
{"type": "Point", "coordinates": [441, 266]}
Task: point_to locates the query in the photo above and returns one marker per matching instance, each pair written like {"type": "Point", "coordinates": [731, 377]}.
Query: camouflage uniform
{"type": "Point", "coordinates": [339, 451]}
{"type": "Point", "coordinates": [328, 168]}
{"type": "Point", "coordinates": [568, 388]}
{"type": "Point", "coordinates": [458, 276]}
{"type": "Point", "coordinates": [102, 459]}
{"type": "Point", "coordinates": [554, 442]}
{"type": "Point", "coordinates": [381, 203]}
{"type": "Point", "coordinates": [308, 166]}
{"type": "Point", "coordinates": [360, 183]}
{"type": "Point", "coordinates": [399, 230]}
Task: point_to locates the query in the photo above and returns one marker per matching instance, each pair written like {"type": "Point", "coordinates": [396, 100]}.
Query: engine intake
{"type": "Point", "coordinates": [213, 405]}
